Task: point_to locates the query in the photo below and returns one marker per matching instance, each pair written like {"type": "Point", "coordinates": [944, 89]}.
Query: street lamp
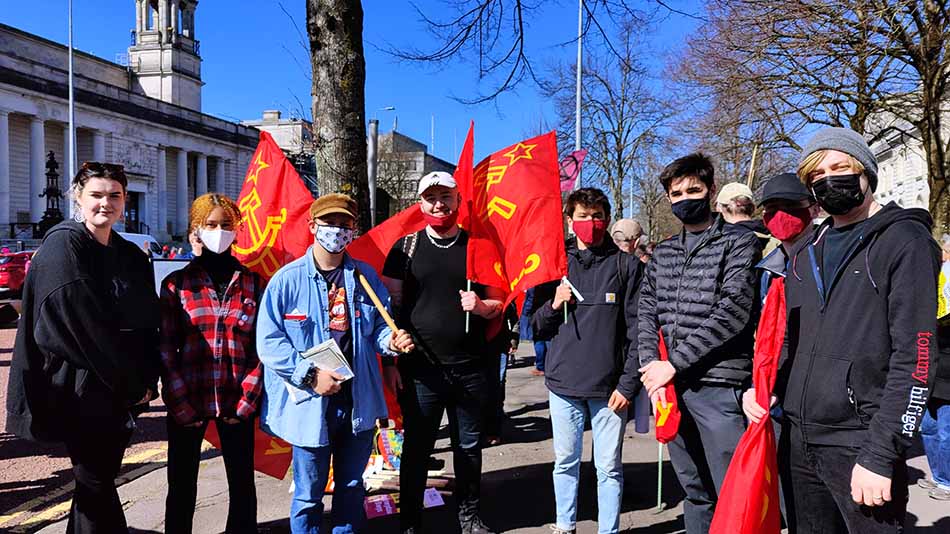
{"type": "Point", "coordinates": [372, 160]}
{"type": "Point", "coordinates": [388, 108]}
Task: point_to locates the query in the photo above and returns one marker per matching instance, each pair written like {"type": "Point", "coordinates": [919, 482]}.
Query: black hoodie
{"type": "Point", "coordinates": [595, 352]}
{"type": "Point", "coordinates": [862, 352]}
{"type": "Point", "coordinates": [86, 344]}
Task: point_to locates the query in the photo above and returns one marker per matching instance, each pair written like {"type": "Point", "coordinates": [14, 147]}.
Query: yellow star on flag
{"type": "Point", "coordinates": [260, 166]}
{"type": "Point", "coordinates": [520, 151]}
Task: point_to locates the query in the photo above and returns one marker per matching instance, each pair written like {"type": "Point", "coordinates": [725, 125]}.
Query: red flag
{"type": "Point", "coordinates": [463, 177]}
{"type": "Point", "coordinates": [667, 419]}
{"type": "Point", "coordinates": [517, 229]}
{"type": "Point", "coordinates": [275, 208]}
{"type": "Point", "coordinates": [748, 502]}
{"type": "Point", "coordinates": [373, 246]}
{"type": "Point", "coordinates": [570, 168]}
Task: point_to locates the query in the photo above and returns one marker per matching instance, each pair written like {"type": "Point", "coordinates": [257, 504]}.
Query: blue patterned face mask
{"type": "Point", "coordinates": [334, 238]}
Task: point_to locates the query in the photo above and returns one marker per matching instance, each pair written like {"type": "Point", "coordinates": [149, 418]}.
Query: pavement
{"type": "Point", "coordinates": [517, 495]}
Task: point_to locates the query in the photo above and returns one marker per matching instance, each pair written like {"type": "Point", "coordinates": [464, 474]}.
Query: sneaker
{"type": "Point", "coordinates": [537, 372]}
{"type": "Point", "coordinates": [940, 494]}
{"type": "Point", "coordinates": [556, 530]}
{"type": "Point", "coordinates": [475, 526]}
{"type": "Point", "coordinates": [927, 484]}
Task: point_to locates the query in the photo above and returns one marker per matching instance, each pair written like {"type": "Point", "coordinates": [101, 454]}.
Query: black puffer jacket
{"type": "Point", "coordinates": [704, 302]}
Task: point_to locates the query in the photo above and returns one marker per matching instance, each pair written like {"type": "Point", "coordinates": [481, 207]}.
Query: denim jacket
{"type": "Point", "coordinates": [293, 318]}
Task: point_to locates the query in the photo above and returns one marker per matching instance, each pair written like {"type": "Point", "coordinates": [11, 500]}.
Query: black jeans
{"type": "Point", "coordinates": [184, 455]}
{"type": "Point", "coordinates": [712, 423]}
{"type": "Point", "coordinates": [464, 390]}
{"type": "Point", "coordinates": [821, 486]}
{"type": "Point", "coordinates": [96, 447]}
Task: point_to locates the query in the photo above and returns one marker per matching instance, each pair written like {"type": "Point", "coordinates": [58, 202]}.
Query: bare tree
{"type": "Point", "coordinates": [621, 114]}
{"type": "Point", "coordinates": [875, 66]}
{"type": "Point", "coordinates": [335, 31]}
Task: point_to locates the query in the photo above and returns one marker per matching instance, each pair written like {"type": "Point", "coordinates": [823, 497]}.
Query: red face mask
{"type": "Point", "coordinates": [786, 224]}
{"type": "Point", "coordinates": [590, 231]}
{"type": "Point", "coordinates": [441, 224]}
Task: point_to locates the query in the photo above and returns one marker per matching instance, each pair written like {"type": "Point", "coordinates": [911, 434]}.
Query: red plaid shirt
{"type": "Point", "coordinates": [211, 368]}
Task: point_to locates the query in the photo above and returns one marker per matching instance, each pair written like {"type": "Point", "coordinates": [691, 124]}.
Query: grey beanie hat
{"type": "Point", "coordinates": [848, 141]}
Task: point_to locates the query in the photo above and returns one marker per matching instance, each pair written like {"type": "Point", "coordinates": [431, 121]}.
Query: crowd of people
{"type": "Point", "coordinates": [860, 372]}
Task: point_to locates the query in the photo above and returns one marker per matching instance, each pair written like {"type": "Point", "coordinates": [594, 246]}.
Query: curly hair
{"type": "Point", "coordinates": [202, 207]}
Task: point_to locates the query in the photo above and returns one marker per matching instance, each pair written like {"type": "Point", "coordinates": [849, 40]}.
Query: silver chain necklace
{"type": "Point", "coordinates": [437, 245]}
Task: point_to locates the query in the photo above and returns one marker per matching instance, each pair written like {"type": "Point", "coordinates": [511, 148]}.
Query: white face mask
{"type": "Point", "coordinates": [334, 238]}
{"type": "Point", "coordinates": [216, 241]}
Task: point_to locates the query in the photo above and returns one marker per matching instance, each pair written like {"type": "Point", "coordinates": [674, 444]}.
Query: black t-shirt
{"type": "Point", "coordinates": [339, 317]}
{"type": "Point", "coordinates": [692, 239]}
{"type": "Point", "coordinates": [339, 320]}
{"type": "Point", "coordinates": [837, 243]}
{"type": "Point", "coordinates": [430, 302]}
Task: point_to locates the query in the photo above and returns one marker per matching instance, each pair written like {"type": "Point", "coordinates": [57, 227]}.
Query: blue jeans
{"type": "Point", "coordinates": [567, 421]}
{"type": "Point", "coordinates": [540, 351]}
{"type": "Point", "coordinates": [311, 468]}
{"type": "Point", "coordinates": [936, 437]}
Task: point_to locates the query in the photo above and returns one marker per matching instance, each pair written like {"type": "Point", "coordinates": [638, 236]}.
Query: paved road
{"type": "Point", "coordinates": [517, 492]}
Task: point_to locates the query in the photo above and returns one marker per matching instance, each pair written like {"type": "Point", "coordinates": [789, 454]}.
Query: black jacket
{"type": "Point", "coordinates": [586, 358]}
{"type": "Point", "coordinates": [705, 303]}
{"type": "Point", "coordinates": [87, 340]}
{"type": "Point", "coordinates": [862, 353]}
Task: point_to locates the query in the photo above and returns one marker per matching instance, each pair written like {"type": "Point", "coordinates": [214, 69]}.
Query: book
{"type": "Point", "coordinates": [326, 356]}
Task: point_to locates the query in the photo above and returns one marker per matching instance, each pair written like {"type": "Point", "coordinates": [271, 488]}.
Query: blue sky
{"type": "Point", "coordinates": [249, 48]}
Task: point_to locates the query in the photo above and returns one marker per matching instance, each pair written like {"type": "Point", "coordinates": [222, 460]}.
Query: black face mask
{"type": "Point", "coordinates": [692, 210]}
{"type": "Point", "coordinates": [839, 194]}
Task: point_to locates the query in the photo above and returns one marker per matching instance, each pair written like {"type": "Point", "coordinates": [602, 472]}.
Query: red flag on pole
{"type": "Point", "coordinates": [275, 207]}
{"type": "Point", "coordinates": [516, 228]}
{"type": "Point", "coordinates": [667, 419]}
{"type": "Point", "coordinates": [749, 500]}
{"type": "Point", "coordinates": [463, 177]}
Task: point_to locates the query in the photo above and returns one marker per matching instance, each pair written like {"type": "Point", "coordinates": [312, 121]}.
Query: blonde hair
{"type": "Point", "coordinates": [202, 207]}
{"type": "Point", "coordinates": [814, 159]}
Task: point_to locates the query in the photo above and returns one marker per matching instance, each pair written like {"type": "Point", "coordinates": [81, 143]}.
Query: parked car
{"type": "Point", "coordinates": [13, 271]}
{"type": "Point", "coordinates": [140, 239]}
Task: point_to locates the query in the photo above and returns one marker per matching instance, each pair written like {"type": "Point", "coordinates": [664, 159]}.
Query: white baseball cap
{"type": "Point", "coordinates": [436, 178]}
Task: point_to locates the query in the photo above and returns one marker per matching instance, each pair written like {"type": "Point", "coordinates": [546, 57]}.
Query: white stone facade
{"type": "Point", "coordinates": [171, 151]}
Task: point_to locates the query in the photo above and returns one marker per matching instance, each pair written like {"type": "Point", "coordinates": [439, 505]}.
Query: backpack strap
{"type": "Point", "coordinates": [622, 272]}
{"type": "Point", "coordinates": [409, 244]}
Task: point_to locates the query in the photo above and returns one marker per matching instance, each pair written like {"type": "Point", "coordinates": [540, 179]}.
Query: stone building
{"type": "Point", "coordinates": [402, 162]}
{"type": "Point", "coordinates": [295, 137]}
{"type": "Point", "coordinates": [146, 116]}
{"type": "Point", "coordinates": [901, 163]}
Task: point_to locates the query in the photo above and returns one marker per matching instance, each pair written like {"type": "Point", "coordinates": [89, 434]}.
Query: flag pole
{"type": "Point", "coordinates": [468, 315]}
{"type": "Point", "coordinates": [659, 477]}
{"type": "Point", "coordinates": [577, 96]}
{"type": "Point", "coordinates": [70, 152]}
{"type": "Point", "coordinates": [755, 152]}
{"type": "Point", "coordinates": [379, 305]}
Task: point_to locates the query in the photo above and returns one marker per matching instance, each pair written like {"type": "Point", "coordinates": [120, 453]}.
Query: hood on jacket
{"type": "Point", "coordinates": [889, 215]}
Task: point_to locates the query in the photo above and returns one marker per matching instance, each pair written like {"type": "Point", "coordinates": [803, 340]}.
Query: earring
{"type": "Point", "coordinates": [77, 213]}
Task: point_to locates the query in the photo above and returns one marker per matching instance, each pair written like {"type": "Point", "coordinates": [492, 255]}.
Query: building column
{"type": "Point", "coordinates": [98, 146]}
{"type": "Point", "coordinates": [161, 183]}
{"type": "Point", "coordinates": [4, 167]}
{"type": "Point", "coordinates": [181, 194]}
{"type": "Point", "coordinates": [201, 175]}
{"type": "Point", "coordinates": [37, 168]}
{"type": "Point", "coordinates": [176, 28]}
{"type": "Point", "coordinates": [219, 184]}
